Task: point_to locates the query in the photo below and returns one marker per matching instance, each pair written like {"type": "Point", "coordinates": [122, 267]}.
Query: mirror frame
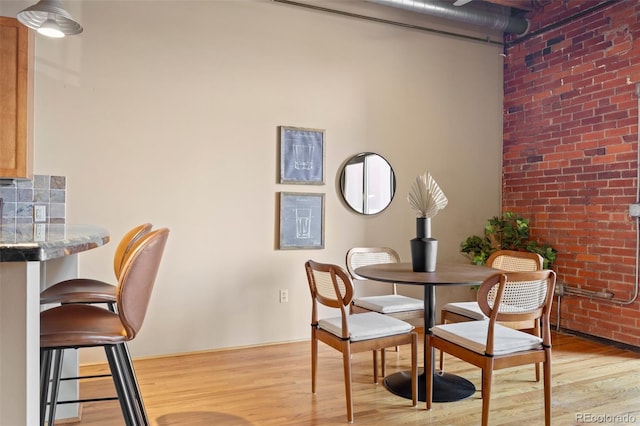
{"type": "Point", "coordinates": [353, 204]}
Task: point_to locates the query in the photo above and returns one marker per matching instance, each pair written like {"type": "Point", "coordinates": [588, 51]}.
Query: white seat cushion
{"type": "Point", "coordinates": [466, 309]}
{"type": "Point", "coordinates": [389, 303]}
{"type": "Point", "coordinates": [473, 335]}
{"type": "Point", "coordinates": [366, 326]}
{"type": "Point", "coordinates": [472, 309]}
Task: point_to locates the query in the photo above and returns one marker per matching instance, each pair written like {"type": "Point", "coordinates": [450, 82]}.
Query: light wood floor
{"type": "Point", "coordinates": [271, 385]}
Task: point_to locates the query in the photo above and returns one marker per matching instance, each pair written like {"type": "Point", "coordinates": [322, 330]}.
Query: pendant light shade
{"type": "Point", "coordinates": [50, 19]}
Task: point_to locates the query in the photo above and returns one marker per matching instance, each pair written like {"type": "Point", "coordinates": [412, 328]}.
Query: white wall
{"type": "Point", "coordinates": [168, 112]}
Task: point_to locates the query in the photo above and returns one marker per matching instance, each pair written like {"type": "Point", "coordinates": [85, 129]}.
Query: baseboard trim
{"type": "Point", "coordinates": [597, 339]}
{"type": "Point", "coordinates": [204, 351]}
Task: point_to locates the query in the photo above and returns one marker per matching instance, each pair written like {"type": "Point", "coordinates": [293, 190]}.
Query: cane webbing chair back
{"type": "Point", "coordinates": [516, 296]}
{"type": "Point", "coordinates": [364, 256]}
{"type": "Point", "coordinates": [512, 260]}
{"type": "Point", "coordinates": [330, 286]}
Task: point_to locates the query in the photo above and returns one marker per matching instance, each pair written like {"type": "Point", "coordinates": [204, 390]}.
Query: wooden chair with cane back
{"type": "Point", "coordinates": [389, 302]}
{"type": "Point", "coordinates": [505, 260]}
{"type": "Point", "coordinates": [504, 297]}
{"type": "Point", "coordinates": [331, 286]}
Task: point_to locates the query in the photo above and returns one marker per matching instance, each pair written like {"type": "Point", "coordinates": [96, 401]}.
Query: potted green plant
{"type": "Point", "coordinates": [507, 232]}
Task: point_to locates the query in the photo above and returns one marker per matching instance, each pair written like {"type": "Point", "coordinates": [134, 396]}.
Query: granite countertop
{"type": "Point", "coordinates": [39, 241]}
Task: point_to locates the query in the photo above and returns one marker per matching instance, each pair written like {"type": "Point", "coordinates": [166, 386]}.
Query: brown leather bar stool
{"type": "Point", "coordinates": [86, 290]}
{"type": "Point", "coordinates": [91, 291]}
{"type": "Point", "coordinates": [84, 325]}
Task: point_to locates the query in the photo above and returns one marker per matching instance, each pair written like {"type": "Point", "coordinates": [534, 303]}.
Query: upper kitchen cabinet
{"type": "Point", "coordinates": [16, 99]}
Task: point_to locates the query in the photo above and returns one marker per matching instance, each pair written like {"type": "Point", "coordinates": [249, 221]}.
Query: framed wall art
{"type": "Point", "coordinates": [301, 155]}
{"type": "Point", "coordinates": [301, 221]}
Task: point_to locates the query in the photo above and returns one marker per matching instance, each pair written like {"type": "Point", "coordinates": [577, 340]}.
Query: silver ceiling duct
{"type": "Point", "coordinates": [440, 9]}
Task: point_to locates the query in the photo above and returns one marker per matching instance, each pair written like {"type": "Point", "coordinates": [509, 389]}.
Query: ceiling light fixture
{"type": "Point", "coordinates": [50, 28]}
{"type": "Point", "coordinates": [49, 18]}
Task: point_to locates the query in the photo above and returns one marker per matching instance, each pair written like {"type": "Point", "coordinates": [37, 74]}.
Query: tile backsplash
{"type": "Point", "coordinates": [20, 196]}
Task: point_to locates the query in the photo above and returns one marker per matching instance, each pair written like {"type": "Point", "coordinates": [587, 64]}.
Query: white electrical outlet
{"type": "Point", "coordinates": [39, 213]}
{"type": "Point", "coordinates": [39, 231]}
{"type": "Point", "coordinates": [284, 296]}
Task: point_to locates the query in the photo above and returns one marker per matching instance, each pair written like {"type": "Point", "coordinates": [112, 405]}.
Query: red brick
{"type": "Point", "coordinates": [579, 113]}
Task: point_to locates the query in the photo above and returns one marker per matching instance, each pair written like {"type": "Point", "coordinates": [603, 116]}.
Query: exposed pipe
{"type": "Point", "coordinates": [389, 22]}
{"type": "Point", "coordinates": [574, 291]}
{"type": "Point", "coordinates": [494, 21]}
{"type": "Point", "coordinates": [559, 23]}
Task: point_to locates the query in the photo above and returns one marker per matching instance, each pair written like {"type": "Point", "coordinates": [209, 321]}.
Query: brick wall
{"type": "Point", "coordinates": [570, 153]}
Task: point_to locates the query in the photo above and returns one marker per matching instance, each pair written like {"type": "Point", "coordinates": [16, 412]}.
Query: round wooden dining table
{"type": "Point", "coordinates": [447, 387]}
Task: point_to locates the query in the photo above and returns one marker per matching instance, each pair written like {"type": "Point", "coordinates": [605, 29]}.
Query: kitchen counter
{"type": "Point", "coordinates": [39, 242]}
{"type": "Point", "coordinates": [33, 257]}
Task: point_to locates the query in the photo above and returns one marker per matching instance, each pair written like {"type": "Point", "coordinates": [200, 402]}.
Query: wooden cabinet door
{"type": "Point", "coordinates": [16, 99]}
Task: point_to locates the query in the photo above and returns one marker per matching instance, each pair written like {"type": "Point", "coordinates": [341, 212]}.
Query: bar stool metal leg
{"type": "Point", "coordinates": [120, 382]}
{"type": "Point", "coordinates": [45, 377]}
{"type": "Point", "coordinates": [58, 356]}
{"type": "Point", "coordinates": [134, 388]}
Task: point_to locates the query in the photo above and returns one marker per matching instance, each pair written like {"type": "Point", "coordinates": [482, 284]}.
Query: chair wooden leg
{"type": "Point", "coordinates": [537, 332]}
{"type": "Point", "coordinates": [383, 364]}
{"type": "Point", "coordinates": [314, 359]}
{"type": "Point", "coordinates": [375, 365]}
{"type": "Point", "coordinates": [428, 368]}
{"type": "Point", "coordinates": [346, 360]}
{"type": "Point", "coordinates": [414, 370]}
{"type": "Point", "coordinates": [487, 377]}
{"type": "Point", "coordinates": [547, 388]}
{"type": "Point", "coordinates": [443, 320]}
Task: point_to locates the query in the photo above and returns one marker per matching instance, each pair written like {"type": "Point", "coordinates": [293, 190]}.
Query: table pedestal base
{"type": "Point", "coordinates": [446, 387]}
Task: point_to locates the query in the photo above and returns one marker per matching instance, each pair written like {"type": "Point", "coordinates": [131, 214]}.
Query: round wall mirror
{"type": "Point", "coordinates": [368, 183]}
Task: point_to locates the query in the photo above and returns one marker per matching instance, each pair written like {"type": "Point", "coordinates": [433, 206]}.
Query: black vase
{"type": "Point", "coordinates": [424, 249]}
